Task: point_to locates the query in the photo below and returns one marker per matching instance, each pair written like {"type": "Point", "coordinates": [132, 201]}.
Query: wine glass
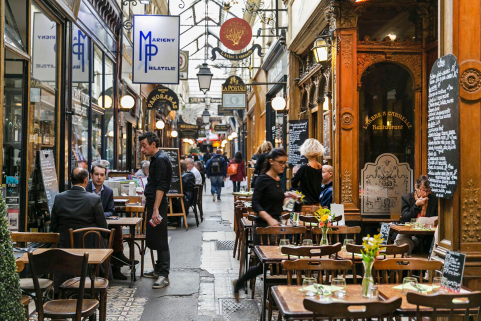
{"type": "Point", "coordinates": [410, 284]}
{"type": "Point", "coordinates": [338, 287]}
{"type": "Point", "coordinates": [309, 286]}
{"type": "Point", "coordinates": [346, 242]}
{"type": "Point", "coordinates": [284, 242]}
{"type": "Point", "coordinates": [307, 242]}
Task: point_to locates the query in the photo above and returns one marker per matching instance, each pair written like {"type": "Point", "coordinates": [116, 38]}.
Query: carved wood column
{"type": "Point", "coordinates": [348, 116]}
{"type": "Point", "coordinates": [460, 216]}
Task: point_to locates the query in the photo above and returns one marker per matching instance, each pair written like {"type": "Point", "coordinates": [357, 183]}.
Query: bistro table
{"type": "Point", "coordinates": [410, 229]}
{"type": "Point", "coordinates": [131, 222]}
{"type": "Point", "coordinates": [289, 299]}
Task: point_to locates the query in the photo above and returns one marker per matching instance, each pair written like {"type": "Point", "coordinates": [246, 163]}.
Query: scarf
{"type": "Point", "coordinates": [424, 208]}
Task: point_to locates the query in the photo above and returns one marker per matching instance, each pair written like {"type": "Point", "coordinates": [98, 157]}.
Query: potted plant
{"type": "Point", "coordinates": [371, 248]}
{"type": "Point", "coordinates": [10, 293]}
{"type": "Point", "coordinates": [325, 218]}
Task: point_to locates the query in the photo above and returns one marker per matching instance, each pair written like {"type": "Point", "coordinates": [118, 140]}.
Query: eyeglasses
{"type": "Point", "coordinates": [280, 163]}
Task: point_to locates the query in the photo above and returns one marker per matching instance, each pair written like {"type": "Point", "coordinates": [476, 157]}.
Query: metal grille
{"type": "Point", "coordinates": [242, 311]}
{"type": "Point", "coordinates": [224, 245]}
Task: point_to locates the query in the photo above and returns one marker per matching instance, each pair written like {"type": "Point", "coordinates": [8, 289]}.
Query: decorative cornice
{"type": "Point", "coordinates": [387, 44]}
{"type": "Point", "coordinates": [109, 12]}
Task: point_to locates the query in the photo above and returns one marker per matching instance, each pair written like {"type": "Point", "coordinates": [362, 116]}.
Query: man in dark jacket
{"type": "Point", "coordinates": [76, 208]}
{"type": "Point", "coordinates": [98, 173]}
{"type": "Point", "coordinates": [216, 170]}
{"type": "Point", "coordinates": [325, 199]}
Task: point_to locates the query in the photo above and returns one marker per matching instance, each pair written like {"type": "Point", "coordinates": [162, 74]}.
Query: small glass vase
{"type": "Point", "coordinates": [324, 239]}
{"type": "Point", "coordinates": [367, 280]}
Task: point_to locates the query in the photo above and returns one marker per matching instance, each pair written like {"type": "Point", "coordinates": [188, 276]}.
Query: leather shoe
{"type": "Point", "coordinates": [117, 275]}
{"type": "Point", "coordinates": [122, 259]}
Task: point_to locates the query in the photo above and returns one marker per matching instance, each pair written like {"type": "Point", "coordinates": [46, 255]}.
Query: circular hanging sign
{"type": "Point", "coordinates": [235, 34]}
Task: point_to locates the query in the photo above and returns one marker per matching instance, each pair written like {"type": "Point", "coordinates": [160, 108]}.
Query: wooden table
{"type": "Point", "coordinates": [409, 229]}
{"type": "Point", "coordinates": [96, 256]}
{"type": "Point", "coordinates": [289, 300]}
{"type": "Point", "coordinates": [131, 222]}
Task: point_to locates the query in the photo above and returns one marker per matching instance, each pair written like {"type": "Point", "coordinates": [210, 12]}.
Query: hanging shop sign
{"type": "Point", "coordinates": [443, 126]}
{"type": "Point", "coordinates": [188, 130]}
{"type": "Point", "coordinates": [184, 65]}
{"type": "Point", "coordinates": [162, 95]}
{"type": "Point", "coordinates": [221, 111]}
{"type": "Point", "coordinates": [199, 100]}
{"type": "Point", "coordinates": [236, 34]}
{"type": "Point", "coordinates": [221, 128]}
{"type": "Point", "coordinates": [80, 56]}
{"type": "Point", "coordinates": [155, 35]}
{"type": "Point", "coordinates": [239, 56]}
{"type": "Point", "coordinates": [44, 48]}
{"type": "Point", "coordinates": [234, 93]}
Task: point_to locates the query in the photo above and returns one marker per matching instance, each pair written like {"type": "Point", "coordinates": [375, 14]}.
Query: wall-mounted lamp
{"type": "Point", "coordinates": [174, 134]}
{"type": "Point", "coordinates": [160, 124]}
{"type": "Point", "coordinates": [321, 47]}
{"type": "Point", "coordinates": [127, 102]}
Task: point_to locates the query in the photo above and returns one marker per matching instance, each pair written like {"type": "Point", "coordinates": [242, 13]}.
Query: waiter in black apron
{"type": "Point", "coordinates": [158, 185]}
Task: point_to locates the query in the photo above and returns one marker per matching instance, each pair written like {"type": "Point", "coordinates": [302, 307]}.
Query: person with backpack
{"type": "Point", "coordinates": [216, 169]}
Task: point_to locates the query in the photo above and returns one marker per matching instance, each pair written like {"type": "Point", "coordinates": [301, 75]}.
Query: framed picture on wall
{"type": "Point", "coordinates": [326, 133]}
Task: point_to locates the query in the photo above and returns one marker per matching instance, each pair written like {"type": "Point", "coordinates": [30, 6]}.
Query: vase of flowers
{"type": "Point", "coordinates": [371, 248]}
{"type": "Point", "coordinates": [325, 217]}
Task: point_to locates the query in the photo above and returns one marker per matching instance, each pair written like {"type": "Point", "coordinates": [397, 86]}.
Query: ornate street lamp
{"type": "Point", "coordinates": [206, 117]}
{"type": "Point", "coordinates": [321, 47]}
{"type": "Point", "coordinates": [205, 77]}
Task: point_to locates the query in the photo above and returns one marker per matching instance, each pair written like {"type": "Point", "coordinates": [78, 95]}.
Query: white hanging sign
{"type": "Point", "coordinates": [44, 58]}
{"type": "Point", "coordinates": [80, 55]}
{"type": "Point", "coordinates": [156, 49]}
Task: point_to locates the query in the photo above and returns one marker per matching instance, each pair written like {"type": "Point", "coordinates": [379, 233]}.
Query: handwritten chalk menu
{"type": "Point", "coordinates": [385, 228]}
{"type": "Point", "coordinates": [453, 271]}
{"type": "Point", "coordinates": [443, 126]}
{"type": "Point", "coordinates": [49, 176]}
{"type": "Point", "coordinates": [297, 135]}
{"type": "Point", "coordinates": [176, 184]}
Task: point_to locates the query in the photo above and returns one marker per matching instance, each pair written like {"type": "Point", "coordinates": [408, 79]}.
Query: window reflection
{"type": "Point", "coordinates": [109, 111]}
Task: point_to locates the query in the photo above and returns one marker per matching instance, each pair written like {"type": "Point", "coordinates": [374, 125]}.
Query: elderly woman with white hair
{"type": "Point", "coordinates": [308, 179]}
{"type": "Point", "coordinates": [144, 169]}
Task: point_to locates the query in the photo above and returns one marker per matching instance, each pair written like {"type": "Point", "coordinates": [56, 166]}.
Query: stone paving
{"type": "Point", "coordinates": [201, 276]}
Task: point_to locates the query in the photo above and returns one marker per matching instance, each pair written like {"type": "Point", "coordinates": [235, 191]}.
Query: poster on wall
{"type": "Point", "coordinates": [44, 57]}
{"type": "Point", "coordinates": [155, 35]}
{"type": "Point", "coordinates": [80, 55]}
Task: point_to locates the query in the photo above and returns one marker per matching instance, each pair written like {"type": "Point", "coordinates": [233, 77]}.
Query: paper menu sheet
{"type": "Point", "coordinates": [338, 210]}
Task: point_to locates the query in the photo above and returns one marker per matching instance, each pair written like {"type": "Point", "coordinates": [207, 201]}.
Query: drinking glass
{"type": "Point", "coordinates": [338, 287]}
{"type": "Point", "coordinates": [346, 242]}
{"type": "Point", "coordinates": [413, 221]}
{"type": "Point", "coordinates": [410, 284]}
{"type": "Point", "coordinates": [429, 226]}
{"type": "Point", "coordinates": [243, 189]}
{"type": "Point", "coordinates": [438, 284]}
{"type": "Point", "coordinates": [307, 242]}
{"type": "Point", "coordinates": [283, 242]}
{"type": "Point", "coordinates": [295, 219]}
{"type": "Point", "coordinates": [309, 286]}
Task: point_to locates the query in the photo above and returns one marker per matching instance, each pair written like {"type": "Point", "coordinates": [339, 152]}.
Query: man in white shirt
{"type": "Point", "coordinates": [191, 168]}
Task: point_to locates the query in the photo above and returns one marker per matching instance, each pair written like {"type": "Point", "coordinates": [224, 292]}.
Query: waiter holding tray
{"type": "Point", "coordinates": [158, 185]}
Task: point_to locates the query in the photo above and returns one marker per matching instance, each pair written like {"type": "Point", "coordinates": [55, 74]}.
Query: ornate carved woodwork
{"type": "Point", "coordinates": [109, 12]}
{"type": "Point", "coordinates": [346, 195]}
{"type": "Point", "coordinates": [471, 212]}
{"type": "Point", "coordinates": [470, 80]}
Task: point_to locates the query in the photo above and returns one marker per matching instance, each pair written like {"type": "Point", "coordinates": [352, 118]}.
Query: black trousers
{"type": "Point", "coordinates": [236, 186]}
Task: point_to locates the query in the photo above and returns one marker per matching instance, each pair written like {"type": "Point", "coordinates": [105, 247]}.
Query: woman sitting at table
{"type": "Point", "coordinates": [308, 178]}
{"type": "Point", "coordinates": [420, 203]}
{"type": "Point", "coordinates": [267, 202]}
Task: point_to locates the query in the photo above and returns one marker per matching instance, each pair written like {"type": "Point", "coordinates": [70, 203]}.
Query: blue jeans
{"type": "Point", "coordinates": [216, 185]}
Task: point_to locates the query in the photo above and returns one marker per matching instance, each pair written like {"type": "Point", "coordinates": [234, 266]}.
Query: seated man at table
{"type": "Point", "coordinates": [96, 186]}
{"type": "Point", "coordinates": [325, 199]}
{"type": "Point", "coordinates": [420, 203]}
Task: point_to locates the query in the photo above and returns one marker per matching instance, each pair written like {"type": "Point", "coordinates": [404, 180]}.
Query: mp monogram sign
{"type": "Point", "coordinates": [154, 37]}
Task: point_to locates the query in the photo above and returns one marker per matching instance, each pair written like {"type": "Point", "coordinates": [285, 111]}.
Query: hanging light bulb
{"type": "Point", "coordinates": [174, 134]}
{"type": "Point", "coordinates": [160, 124]}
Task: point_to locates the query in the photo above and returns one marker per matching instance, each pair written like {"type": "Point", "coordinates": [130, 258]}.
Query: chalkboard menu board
{"type": "Point", "coordinates": [385, 228]}
{"type": "Point", "coordinates": [453, 271]}
{"type": "Point", "coordinates": [443, 126]}
{"type": "Point", "coordinates": [298, 133]}
{"type": "Point", "coordinates": [49, 176]}
{"type": "Point", "coordinates": [176, 184]}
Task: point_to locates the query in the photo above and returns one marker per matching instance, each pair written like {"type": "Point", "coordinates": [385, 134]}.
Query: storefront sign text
{"type": "Point", "coordinates": [162, 95]}
{"type": "Point", "coordinates": [389, 126]}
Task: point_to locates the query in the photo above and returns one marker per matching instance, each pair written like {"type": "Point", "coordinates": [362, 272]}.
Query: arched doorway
{"type": "Point", "coordinates": [386, 113]}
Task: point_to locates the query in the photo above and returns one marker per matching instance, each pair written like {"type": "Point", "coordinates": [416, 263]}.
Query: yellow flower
{"type": "Point", "coordinates": [325, 218]}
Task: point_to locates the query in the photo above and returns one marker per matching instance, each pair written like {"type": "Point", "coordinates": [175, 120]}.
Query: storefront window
{"type": "Point", "coordinates": [122, 158]}
{"type": "Point", "coordinates": [96, 136]}
{"type": "Point", "coordinates": [109, 111]}
{"type": "Point", "coordinates": [42, 112]}
{"type": "Point", "coordinates": [80, 97]}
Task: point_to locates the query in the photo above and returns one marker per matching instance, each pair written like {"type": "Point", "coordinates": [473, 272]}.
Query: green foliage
{"type": "Point", "coordinates": [194, 150]}
{"type": "Point", "coordinates": [10, 294]}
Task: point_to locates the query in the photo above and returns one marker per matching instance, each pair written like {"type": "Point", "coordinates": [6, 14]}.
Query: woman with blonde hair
{"type": "Point", "coordinates": [308, 179]}
{"type": "Point", "coordinates": [266, 148]}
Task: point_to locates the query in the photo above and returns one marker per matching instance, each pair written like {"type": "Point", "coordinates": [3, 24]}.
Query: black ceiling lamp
{"type": "Point", "coordinates": [205, 75]}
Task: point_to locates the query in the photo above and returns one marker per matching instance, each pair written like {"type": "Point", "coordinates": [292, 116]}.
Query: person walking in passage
{"type": "Point", "coordinates": [216, 170]}
{"type": "Point", "coordinates": [267, 203]}
{"type": "Point", "coordinates": [308, 178]}
{"type": "Point", "coordinates": [265, 150]}
{"type": "Point", "coordinates": [241, 175]}
{"type": "Point", "coordinates": [158, 185]}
